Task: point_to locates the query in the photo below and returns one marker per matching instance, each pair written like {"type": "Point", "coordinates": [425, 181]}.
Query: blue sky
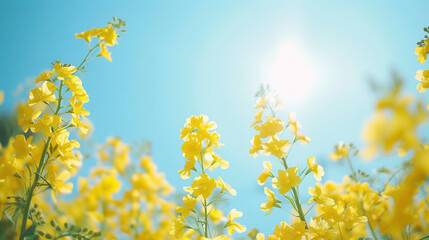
{"type": "Point", "coordinates": [181, 58]}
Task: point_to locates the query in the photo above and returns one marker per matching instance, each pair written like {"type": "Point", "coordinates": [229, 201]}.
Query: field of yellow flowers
{"type": "Point", "coordinates": [126, 197]}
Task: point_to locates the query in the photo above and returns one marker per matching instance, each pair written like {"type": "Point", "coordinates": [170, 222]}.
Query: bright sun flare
{"type": "Point", "coordinates": [291, 74]}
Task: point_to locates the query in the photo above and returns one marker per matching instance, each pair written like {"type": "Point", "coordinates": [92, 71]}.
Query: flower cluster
{"type": "Point", "coordinates": [287, 180]}
{"type": "Point", "coordinates": [124, 195]}
{"type": "Point", "coordinates": [205, 191]}
{"type": "Point", "coordinates": [106, 36]}
{"type": "Point", "coordinates": [423, 75]}
{"type": "Point", "coordinates": [44, 157]}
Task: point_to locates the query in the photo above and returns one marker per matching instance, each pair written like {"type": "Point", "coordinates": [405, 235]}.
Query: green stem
{"type": "Point", "coordinates": [206, 223]}
{"type": "Point", "coordinates": [31, 190]}
{"type": "Point", "coordinates": [298, 205]}
{"type": "Point", "coordinates": [205, 219]}
{"type": "Point", "coordinates": [41, 166]}
{"type": "Point", "coordinates": [40, 169]}
{"type": "Point", "coordinates": [295, 197]}
{"type": "Point", "coordinates": [87, 55]}
{"type": "Point", "coordinates": [351, 168]}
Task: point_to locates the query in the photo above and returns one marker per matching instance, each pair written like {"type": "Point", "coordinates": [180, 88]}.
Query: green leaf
{"type": "Point", "coordinates": [29, 232]}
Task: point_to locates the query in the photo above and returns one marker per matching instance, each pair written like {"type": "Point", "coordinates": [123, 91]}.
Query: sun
{"type": "Point", "coordinates": [291, 74]}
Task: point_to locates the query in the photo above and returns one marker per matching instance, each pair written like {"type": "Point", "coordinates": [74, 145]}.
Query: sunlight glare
{"type": "Point", "coordinates": [291, 74]}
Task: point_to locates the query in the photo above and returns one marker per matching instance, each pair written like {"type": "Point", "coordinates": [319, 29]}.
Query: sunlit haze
{"type": "Point", "coordinates": [291, 74]}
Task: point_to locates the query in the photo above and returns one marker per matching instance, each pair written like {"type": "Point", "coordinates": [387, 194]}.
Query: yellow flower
{"type": "Point", "coordinates": [341, 151]}
{"type": "Point", "coordinates": [222, 237]}
{"type": "Point", "coordinates": [203, 185]}
{"type": "Point", "coordinates": [192, 148]}
{"type": "Point", "coordinates": [75, 85]}
{"type": "Point", "coordinates": [233, 226]}
{"type": "Point", "coordinates": [7, 168]}
{"type": "Point", "coordinates": [317, 196]}
{"type": "Point", "coordinates": [294, 125]}
{"type": "Point", "coordinates": [395, 123]}
{"type": "Point", "coordinates": [286, 180]}
{"type": "Point", "coordinates": [315, 168]}
{"type": "Point", "coordinates": [270, 128]}
{"type": "Point", "coordinates": [109, 184]}
{"type": "Point", "coordinates": [188, 206]}
{"type": "Point", "coordinates": [422, 53]}
{"type": "Point", "coordinates": [260, 236]}
{"type": "Point", "coordinates": [45, 124]}
{"type": "Point", "coordinates": [108, 35]}
{"type": "Point", "coordinates": [178, 226]}
{"type": "Point", "coordinates": [83, 127]}
{"type": "Point", "coordinates": [276, 146]}
{"type": "Point", "coordinates": [1, 97]}
{"type": "Point", "coordinates": [423, 77]}
{"type": "Point", "coordinates": [218, 161]}
{"type": "Point", "coordinates": [147, 164]}
{"type": "Point", "coordinates": [256, 146]}
{"type": "Point", "coordinates": [22, 147]}
{"type": "Point", "coordinates": [261, 102]}
{"type": "Point", "coordinates": [319, 229]}
{"type": "Point", "coordinates": [295, 231]}
{"type": "Point", "coordinates": [225, 187]}
{"type": "Point", "coordinates": [258, 117]}
{"type": "Point", "coordinates": [302, 139]}
{"type": "Point", "coordinates": [63, 145]}
{"type": "Point", "coordinates": [272, 201]}
{"type": "Point", "coordinates": [57, 182]}
{"type": "Point", "coordinates": [78, 109]}
{"type": "Point", "coordinates": [266, 173]}
{"type": "Point", "coordinates": [45, 76]}
{"type": "Point", "coordinates": [104, 52]}
{"type": "Point", "coordinates": [333, 213]}
{"type": "Point", "coordinates": [46, 93]}
{"type": "Point", "coordinates": [352, 218]}
{"type": "Point", "coordinates": [64, 71]}
{"type": "Point", "coordinates": [198, 126]}
{"type": "Point", "coordinates": [189, 165]}
{"type": "Point", "coordinates": [26, 115]}
{"type": "Point", "coordinates": [87, 35]}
